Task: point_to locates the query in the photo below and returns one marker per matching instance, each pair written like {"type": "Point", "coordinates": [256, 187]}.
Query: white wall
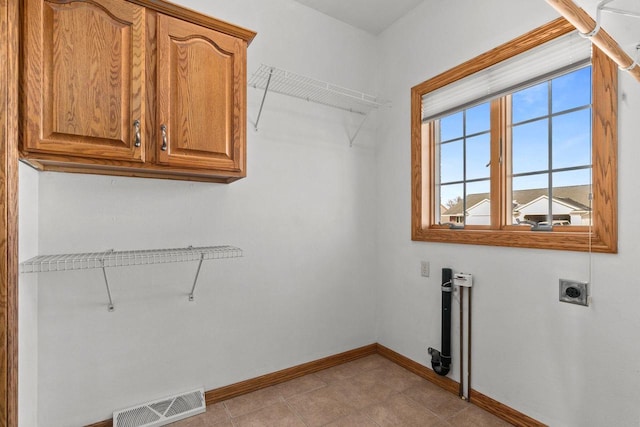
{"type": "Point", "coordinates": [562, 364]}
{"type": "Point", "coordinates": [28, 299]}
{"type": "Point", "coordinates": [303, 217]}
{"type": "Point", "coordinates": [316, 277]}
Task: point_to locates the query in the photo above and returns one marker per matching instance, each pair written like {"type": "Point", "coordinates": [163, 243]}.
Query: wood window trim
{"type": "Point", "coordinates": [602, 237]}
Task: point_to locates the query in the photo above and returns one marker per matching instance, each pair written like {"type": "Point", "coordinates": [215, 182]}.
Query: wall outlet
{"type": "Point", "coordinates": [424, 268]}
{"type": "Point", "coordinates": [574, 292]}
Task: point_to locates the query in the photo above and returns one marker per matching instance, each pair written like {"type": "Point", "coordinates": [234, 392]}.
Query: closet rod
{"type": "Point", "coordinates": [598, 36]}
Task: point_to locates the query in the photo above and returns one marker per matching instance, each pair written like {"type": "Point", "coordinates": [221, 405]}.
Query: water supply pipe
{"type": "Point", "coordinates": [441, 361]}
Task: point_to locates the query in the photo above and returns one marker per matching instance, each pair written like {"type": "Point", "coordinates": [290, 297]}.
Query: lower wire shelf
{"type": "Point", "coordinates": [111, 258]}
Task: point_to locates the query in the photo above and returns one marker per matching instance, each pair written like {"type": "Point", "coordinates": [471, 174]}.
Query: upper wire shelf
{"type": "Point", "coordinates": [287, 83]}
{"type": "Point", "coordinates": [111, 258]}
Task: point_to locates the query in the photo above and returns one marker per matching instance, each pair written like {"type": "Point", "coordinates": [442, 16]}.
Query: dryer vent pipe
{"type": "Point", "coordinates": [441, 361]}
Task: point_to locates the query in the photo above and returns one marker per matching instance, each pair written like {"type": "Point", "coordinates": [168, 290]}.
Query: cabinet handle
{"type": "Point", "coordinates": [163, 129]}
{"type": "Point", "coordinates": [137, 138]}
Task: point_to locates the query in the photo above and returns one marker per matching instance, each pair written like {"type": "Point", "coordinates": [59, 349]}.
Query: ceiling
{"type": "Point", "coordinates": [373, 16]}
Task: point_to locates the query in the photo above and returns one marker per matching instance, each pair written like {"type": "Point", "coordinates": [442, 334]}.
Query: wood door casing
{"type": "Point", "coordinates": [85, 78]}
{"type": "Point", "coordinates": [9, 66]}
{"type": "Point", "coordinates": [201, 97]}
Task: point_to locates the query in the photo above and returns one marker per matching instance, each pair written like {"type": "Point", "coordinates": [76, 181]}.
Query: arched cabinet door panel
{"type": "Point", "coordinates": [84, 78]}
{"type": "Point", "coordinates": [201, 97]}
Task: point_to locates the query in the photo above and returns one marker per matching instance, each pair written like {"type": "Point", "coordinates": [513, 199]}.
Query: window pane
{"type": "Point", "coordinates": [571, 90]}
{"type": "Point", "coordinates": [451, 203]}
{"type": "Point", "coordinates": [571, 197]}
{"type": "Point", "coordinates": [572, 178]}
{"type": "Point", "coordinates": [478, 210]}
{"type": "Point", "coordinates": [530, 103]}
{"type": "Point", "coordinates": [530, 182]}
{"type": "Point", "coordinates": [478, 156]}
{"type": "Point", "coordinates": [478, 119]}
{"type": "Point", "coordinates": [451, 161]}
{"type": "Point", "coordinates": [530, 147]}
{"type": "Point", "coordinates": [572, 139]}
{"type": "Point", "coordinates": [530, 198]}
{"type": "Point", "coordinates": [451, 127]}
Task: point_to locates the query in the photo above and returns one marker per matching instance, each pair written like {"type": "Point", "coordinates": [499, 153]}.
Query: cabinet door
{"type": "Point", "coordinates": [201, 97]}
{"type": "Point", "coordinates": [84, 78]}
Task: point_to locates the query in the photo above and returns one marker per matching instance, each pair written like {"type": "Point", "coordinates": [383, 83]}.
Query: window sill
{"type": "Point", "coordinates": [558, 240]}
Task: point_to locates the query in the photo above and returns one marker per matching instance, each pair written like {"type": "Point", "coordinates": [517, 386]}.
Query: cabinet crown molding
{"type": "Point", "coordinates": [197, 18]}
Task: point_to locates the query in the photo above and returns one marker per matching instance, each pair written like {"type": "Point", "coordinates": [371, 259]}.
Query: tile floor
{"type": "Point", "coordinates": [371, 391]}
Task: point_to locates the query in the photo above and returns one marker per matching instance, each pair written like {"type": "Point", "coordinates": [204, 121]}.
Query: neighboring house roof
{"type": "Point", "coordinates": [576, 196]}
{"type": "Point", "coordinates": [565, 205]}
{"type": "Point", "coordinates": [576, 205]}
{"type": "Point", "coordinates": [472, 200]}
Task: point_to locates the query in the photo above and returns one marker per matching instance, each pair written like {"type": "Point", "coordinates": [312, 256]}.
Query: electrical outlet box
{"type": "Point", "coordinates": [574, 292]}
{"type": "Point", "coordinates": [424, 268]}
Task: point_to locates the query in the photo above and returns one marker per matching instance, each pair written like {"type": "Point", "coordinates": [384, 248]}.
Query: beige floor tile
{"type": "Point", "coordinates": [276, 415]}
{"type": "Point", "coordinates": [368, 392]}
{"type": "Point", "coordinates": [476, 417]}
{"type": "Point", "coordinates": [394, 376]}
{"type": "Point", "coordinates": [368, 363]}
{"type": "Point", "coordinates": [216, 416]}
{"type": "Point", "coordinates": [319, 407]}
{"type": "Point", "coordinates": [300, 385]}
{"type": "Point", "coordinates": [250, 402]}
{"type": "Point", "coordinates": [399, 410]}
{"type": "Point", "coordinates": [360, 391]}
{"type": "Point", "coordinates": [436, 399]}
{"type": "Point", "coordinates": [354, 420]}
{"type": "Point", "coordinates": [338, 373]}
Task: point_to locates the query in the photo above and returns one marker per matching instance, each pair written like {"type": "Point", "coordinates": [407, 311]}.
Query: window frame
{"type": "Point", "coordinates": [600, 237]}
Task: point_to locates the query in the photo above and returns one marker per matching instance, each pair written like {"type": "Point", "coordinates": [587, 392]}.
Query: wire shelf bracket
{"type": "Point", "coordinates": [619, 11]}
{"type": "Point", "coordinates": [195, 280]}
{"type": "Point", "coordinates": [111, 258]}
{"type": "Point", "coordinates": [355, 135]}
{"type": "Point", "coordinates": [602, 6]}
{"type": "Point", "coordinates": [272, 79]}
{"type": "Point", "coordinates": [106, 283]}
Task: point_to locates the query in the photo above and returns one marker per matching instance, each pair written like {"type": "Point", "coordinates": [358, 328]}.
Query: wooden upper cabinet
{"type": "Point", "coordinates": [201, 97]}
{"type": "Point", "coordinates": [135, 88]}
{"type": "Point", "coordinates": [84, 64]}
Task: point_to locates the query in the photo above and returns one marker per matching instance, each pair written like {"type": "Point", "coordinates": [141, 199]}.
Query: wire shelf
{"type": "Point", "coordinates": [287, 83]}
{"type": "Point", "coordinates": [83, 261]}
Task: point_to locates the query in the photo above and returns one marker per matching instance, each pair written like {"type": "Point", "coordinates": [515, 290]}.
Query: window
{"type": "Point", "coordinates": [462, 143]}
{"type": "Point", "coordinates": [530, 164]}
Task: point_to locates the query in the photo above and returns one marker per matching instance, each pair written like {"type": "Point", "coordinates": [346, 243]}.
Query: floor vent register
{"type": "Point", "coordinates": [163, 411]}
